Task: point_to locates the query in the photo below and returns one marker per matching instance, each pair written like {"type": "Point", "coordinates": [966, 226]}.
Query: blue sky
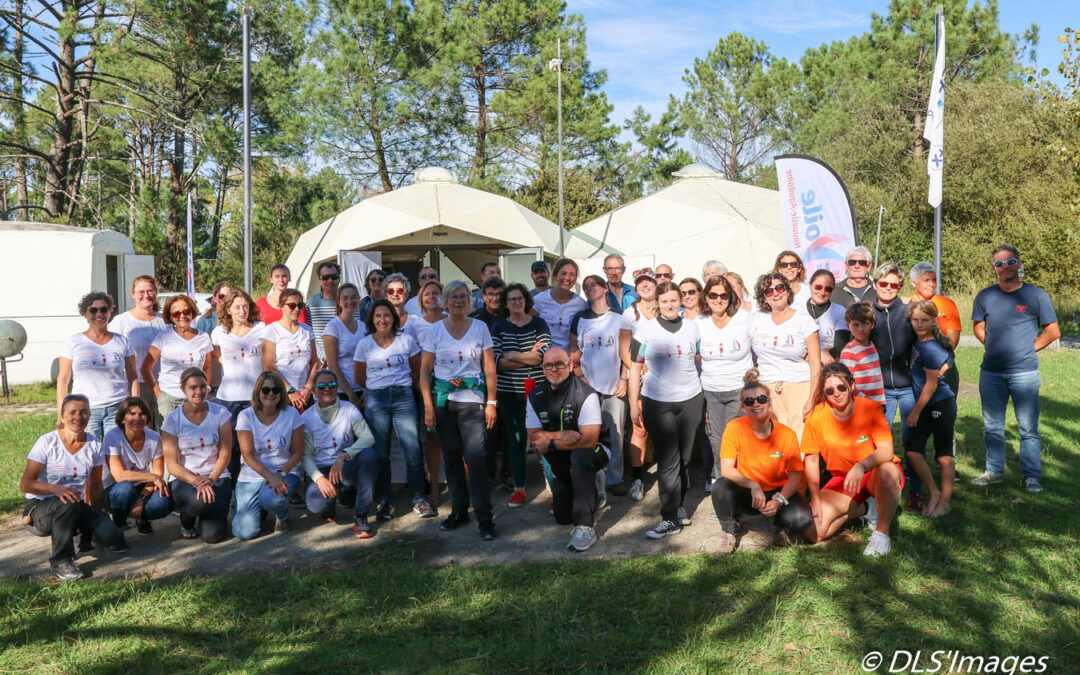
{"type": "Point", "coordinates": [646, 44]}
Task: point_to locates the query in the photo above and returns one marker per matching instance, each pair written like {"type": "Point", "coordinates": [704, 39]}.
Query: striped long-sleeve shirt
{"type": "Point", "coordinates": [864, 364]}
{"type": "Point", "coordinates": [509, 337]}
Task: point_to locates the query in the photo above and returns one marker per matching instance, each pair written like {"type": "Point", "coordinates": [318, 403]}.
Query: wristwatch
{"type": "Point", "coordinates": [551, 445]}
{"type": "Point", "coordinates": [779, 497]}
{"type": "Point", "coordinates": [493, 403]}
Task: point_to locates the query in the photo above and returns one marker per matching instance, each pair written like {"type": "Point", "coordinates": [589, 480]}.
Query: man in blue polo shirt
{"type": "Point", "coordinates": [1008, 318]}
{"type": "Point", "coordinates": [619, 295]}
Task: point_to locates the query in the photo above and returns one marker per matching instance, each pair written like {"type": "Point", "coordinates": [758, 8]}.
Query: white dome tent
{"type": "Point", "coordinates": [699, 217]}
{"type": "Point", "coordinates": [452, 226]}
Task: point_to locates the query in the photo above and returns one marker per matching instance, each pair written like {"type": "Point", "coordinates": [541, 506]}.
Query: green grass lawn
{"type": "Point", "coordinates": [999, 576]}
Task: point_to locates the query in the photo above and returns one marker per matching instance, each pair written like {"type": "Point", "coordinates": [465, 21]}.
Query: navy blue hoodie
{"type": "Point", "coordinates": [894, 339]}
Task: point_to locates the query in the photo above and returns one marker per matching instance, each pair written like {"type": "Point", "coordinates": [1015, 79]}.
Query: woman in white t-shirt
{"type": "Point", "coordinates": [725, 357]}
{"type": "Point", "coordinates": [641, 310]}
{"type": "Point", "coordinates": [179, 347]}
{"type": "Point", "coordinates": [271, 437]}
{"type": "Point", "coordinates": [62, 486]}
{"type": "Point", "coordinates": [134, 475]}
{"type": "Point", "coordinates": [668, 401]}
{"type": "Point", "coordinates": [788, 352]}
{"type": "Point", "coordinates": [387, 365]}
{"type": "Point", "coordinates": [790, 266]}
{"type": "Point", "coordinates": [594, 348]}
{"type": "Point", "coordinates": [461, 396]}
{"type": "Point", "coordinates": [197, 441]}
{"type": "Point", "coordinates": [833, 333]}
{"type": "Point", "coordinates": [289, 349]}
{"type": "Point", "coordinates": [98, 363]}
{"type": "Point", "coordinates": [430, 299]}
{"type": "Point", "coordinates": [140, 325]}
{"type": "Point", "coordinates": [340, 337]}
{"type": "Point", "coordinates": [558, 305]}
{"type": "Point", "coordinates": [237, 341]}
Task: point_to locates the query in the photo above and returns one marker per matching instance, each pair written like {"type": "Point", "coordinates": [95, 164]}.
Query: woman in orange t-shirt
{"type": "Point", "coordinates": [760, 469]}
{"type": "Point", "coordinates": [854, 439]}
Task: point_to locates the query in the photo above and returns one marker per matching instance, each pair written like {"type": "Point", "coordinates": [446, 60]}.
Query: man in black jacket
{"type": "Point", "coordinates": [563, 420]}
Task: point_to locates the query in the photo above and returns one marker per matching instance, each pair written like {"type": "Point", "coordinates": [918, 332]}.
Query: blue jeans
{"type": "Point", "coordinates": [905, 400]}
{"type": "Point", "coordinates": [253, 498]}
{"type": "Point", "coordinates": [313, 497]}
{"type": "Point", "coordinates": [995, 390]}
{"type": "Point", "coordinates": [391, 409]}
{"type": "Point", "coordinates": [122, 495]}
{"type": "Point", "coordinates": [102, 419]}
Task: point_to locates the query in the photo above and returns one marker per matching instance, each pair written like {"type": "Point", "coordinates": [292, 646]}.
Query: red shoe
{"type": "Point", "coordinates": [551, 506]}
{"type": "Point", "coordinates": [517, 500]}
{"type": "Point", "coordinates": [361, 528]}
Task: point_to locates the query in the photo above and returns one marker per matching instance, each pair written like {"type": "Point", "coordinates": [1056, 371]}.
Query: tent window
{"type": "Point", "coordinates": [112, 276]}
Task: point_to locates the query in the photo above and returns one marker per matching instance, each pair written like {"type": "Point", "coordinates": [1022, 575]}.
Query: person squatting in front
{"type": "Point", "coordinates": [563, 419]}
{"type": "Point", "coordinates": [760, 470]}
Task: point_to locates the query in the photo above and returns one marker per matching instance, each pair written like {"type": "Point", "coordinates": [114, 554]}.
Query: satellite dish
{"type": "Point", "coordinates": [12, 338]}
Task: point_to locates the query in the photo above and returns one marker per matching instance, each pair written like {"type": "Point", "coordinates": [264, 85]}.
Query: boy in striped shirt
{"type": "Point", "coordinates": [860, 356]}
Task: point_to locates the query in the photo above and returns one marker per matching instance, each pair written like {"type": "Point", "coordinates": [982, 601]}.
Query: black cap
{"type": "Point", "coordinates": [539, 265]}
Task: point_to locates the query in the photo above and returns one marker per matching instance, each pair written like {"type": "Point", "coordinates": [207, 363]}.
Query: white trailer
{"type": "Point", "coordinates": [46, 269]}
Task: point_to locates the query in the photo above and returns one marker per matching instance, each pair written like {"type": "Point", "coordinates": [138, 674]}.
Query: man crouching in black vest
{"type": "Point", "coordinates": [562, 416]}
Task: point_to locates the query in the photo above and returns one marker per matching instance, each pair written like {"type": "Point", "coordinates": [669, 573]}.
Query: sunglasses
{"type": "Point", "coordinates": [789, 265]}
{"type": "Point", "coordinates": [889, 284]}
{"type": "Point", "coordinates": [1005, 263]}
{"type": "Point", "coordinates": [842, 388]}
{"type": "Point", "coordinates": [858, 263]}
{"type": "Point", "coordinates": [428, 277]}
{"type": "Point", "coordinates": [271, 390]}
{"type": "Point", "coordinates": [775, 290]}
{"type": "Point", "coordinates": [760, 398]}
{"type": "Point", "coordinates": [376, 280]}
{"type": "Point", "coordinates": [101, 310]}
{"type": "Point", "coordinates": [329, 277]}
{"type": "Point", "coordinates": [819, 287]}
{"type": "Point", "coordinates": [395, 291]}
{"type": "Point", "coordinates": [326, 385]}
{"type": "Point", "coordinates": [294, 305]}
{"type": "Point", "coordinates": [555, 365]}
{"type": "Point", "coordinates": [692, 291]}
{"type": "Point", "coordinates": [222, 296]}
{"type": "Point", "coordinates": [665, 276]}
{"type": "Point", "coordinates": [182, 313]}
{"type": "Point", "coordinates": [717, 296]}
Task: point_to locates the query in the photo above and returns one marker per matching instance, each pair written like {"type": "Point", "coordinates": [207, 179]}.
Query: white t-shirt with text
{"type": "Point", "coordinates": [292, 352]}
{"type": "Point", "coordinates": [98, 371]}
{"type": "Point", "coordinates": [461, 358]}
{"type": "Point", "coordinates": [346, 346]}
{"type": "Point", "coordinates": [241, 361]}
{"type": "Point", "coordinates": [387, 367]}
{"type": "Point", "coordinates": [140, 334]}
{"type": "Point", "coordinates": [116, 443]}
{"type": "Point", "coordinates": [62, 467]}
{"type": "Point", "coordinates": [272, 443]}
{"type": "Point", "coordinates": [725, 352]}
{"type": "Point", "coordinates": [781, 349]}
{"type": "Point", "coordinates": [670, 358]}
{"type": "Point", "coordinates": [198, 443]}
{"type": "Point", "coordinates": [177, 355]}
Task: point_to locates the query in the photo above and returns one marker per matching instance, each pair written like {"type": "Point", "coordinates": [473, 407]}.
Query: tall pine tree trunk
{"type": "Point", "coordinates": [19, 115]}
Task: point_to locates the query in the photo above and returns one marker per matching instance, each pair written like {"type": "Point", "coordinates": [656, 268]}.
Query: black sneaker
{"type": "Point", "coordinates": [455, 521]}
{"type": "Point", "coordinates": [662, 530]}
{"type": "Point", "coordinates": [120, 546]}
{"type": "Point", "coordinates": [66, 570]}
{"type": "Point", "coordinates": [142, 526]}
{"type": "Point", "coordinates": [487, 531]}
{"type": "Point", "coordinates": [385, 512]}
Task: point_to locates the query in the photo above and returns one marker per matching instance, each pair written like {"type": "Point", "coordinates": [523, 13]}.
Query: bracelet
{"type": "Point", "coordinates": [493, 403]}
{"type": "Point", "coordinates": [781, 499]}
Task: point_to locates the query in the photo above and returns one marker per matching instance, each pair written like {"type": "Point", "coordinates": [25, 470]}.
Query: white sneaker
{"type": "Point", "coordinates": [637, 491]}
{"type": "Point", "coordinates": [582, 538]}
{"type": "Point", "coordinates": [987, 478]}
{"type": "Point", "coordinates": [601, 490]}
{"type": "Point", "coordinates": [879, 544]}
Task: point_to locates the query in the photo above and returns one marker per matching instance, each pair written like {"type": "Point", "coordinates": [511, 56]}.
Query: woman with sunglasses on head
{"type": "Point", "coordinates": [790, 266]}
{"type": "Point", "coordinates": [62, 486]}
{"type": "Point", "coordinates": [140, 325]}
{"type": "Point", "coordinates": [785, 342]}
{"type": "Point", "coordinates": [197, 442]}
{"type": "Point", "coordinates": [237, 341]}
{"type": "Point", "coordinates": [271, 437]}
{"type": "Point", "coordinates": [458, 382]}
{"type": "Point", "coordinates": [387, 365]}
{"type": "Point", "coordinates": [431, 313]}
{"type": "Point", "coordinates": [558, 305]}
{"type": "Point", "coordinates": [179, 347]}
{"type": "Point", "coordinates": [851, 436]}
{"type": "Point", "coordinates": [288, 349]}
{"type": "Point", "coordinates": [833, 332]}
{"type": "Point", "coordinates": [760, 470]}
{"type": "Point", "coordinates": [724, 327]}
{"type": "Point", "coordinates": [340, 338]}
{"type": "Point", "coordinates": [644, 308]}
{"type": "Point", "coordinates": [98, 364]}
{"type": "Point", "coordinates": [335, 432]}
{"type": "Point", "coordinates": [668, 402]}
{"type": "Point", "coordinates": [690, 296]}
{"type": "Point", "coordinates": [934, 413]}
{"type": "Point", "coordinates": [134, 475]}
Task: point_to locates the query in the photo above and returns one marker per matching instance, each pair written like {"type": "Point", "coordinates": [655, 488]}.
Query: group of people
{"type": "Point", "coordinates": [257, 404]}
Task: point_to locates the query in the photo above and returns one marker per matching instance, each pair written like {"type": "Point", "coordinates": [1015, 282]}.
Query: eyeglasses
{"type": "Point", "coordinates": [515, 299]}
{"type": "Point", "coordinates": [555, 365]}
{"type": "Point", "coordinates": [615, 269]}
{"type": "Point", "coordinates": [692, 291]}
{"type": "Point", "coordinates": [819, 287]}
{"type": "Point", "coordinates": [776, 290]}
{"type": "Point", "coordinates": [842, 388]}
{"type": "Point", "coordinates": [182, 313]}
{"type": "Point", "coordinates": [458, 298]}
{"type": "Point", "coordinates": [760, 398]}
{"type": "Point", "coordinates": [326, 385]}
{"type": "Point", "coordinates": [1005, 263]}
{"type": "Point", "coordinates": [294, 305]}
{"type": "Point", "coordinates": [717, 296]}
{"type": "Point", "coordinates": [100, 310]}
{"type": "Point", "coordinates": [329, 277]}
{"type": "Point", "coordinates": [267, 391]}
{"type": "Point", "coordinates": [889, 284]}
{"type": "Point", "coordinates": [395, 291]}
{"type": "Point", "coordinates": [789, 265]}
{"type": "Point", "coordinates": [852, 262]}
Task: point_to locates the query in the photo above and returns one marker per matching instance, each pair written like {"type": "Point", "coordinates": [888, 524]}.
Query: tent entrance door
{"type": "Point", "coordinates": [355, 266]}
{"type": "Point", "coordinates": [516, 264]}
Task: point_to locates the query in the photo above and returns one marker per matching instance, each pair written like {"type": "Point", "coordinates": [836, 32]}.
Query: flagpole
{"type": "Point", "coordinates": [190, 253]}
{"type": "Point", "coordinates": [937, 209]}
{"type": "Point", "coordinates": [247, 149]}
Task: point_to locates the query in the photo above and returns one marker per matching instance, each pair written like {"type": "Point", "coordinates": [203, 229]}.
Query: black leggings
{"type": "Point", "coordinates": [731, 500]}
{"type": "Point", "coordinates": [672, 428]}
{"type": "Point", "coordinates": [462, 430]}
{"type": "Point", "coordinates": [211, 518]}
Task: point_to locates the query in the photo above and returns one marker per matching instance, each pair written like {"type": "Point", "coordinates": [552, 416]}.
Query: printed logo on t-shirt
{"type": "Point", "coordinates": [449, 357]}
{"type": "Point", "coordinates": [1021, 308]}
{"type": "Point", "coordinates": [862, 439]}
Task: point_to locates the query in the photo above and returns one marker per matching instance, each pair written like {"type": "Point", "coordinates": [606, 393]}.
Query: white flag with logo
{"type": "Point", "coordinates": [935, 119]}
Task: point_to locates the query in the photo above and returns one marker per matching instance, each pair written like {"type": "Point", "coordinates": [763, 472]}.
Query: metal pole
{"type": "Point", "coordinates": [247, 149]}
{"type": "Point", "coordinates": [877, 244]}
{"type": "Point", "coordinates": [937, 209]}
{"type": "Point", "coordinates": [562, 243]}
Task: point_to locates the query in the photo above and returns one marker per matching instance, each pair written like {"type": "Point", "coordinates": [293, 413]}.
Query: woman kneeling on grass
{"type": "Point", "coordinates": [856, 442]}
{"type": "Point", "coordinates": [760, 469]}
{"type": "Point", "coordinates": [934, 413]}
